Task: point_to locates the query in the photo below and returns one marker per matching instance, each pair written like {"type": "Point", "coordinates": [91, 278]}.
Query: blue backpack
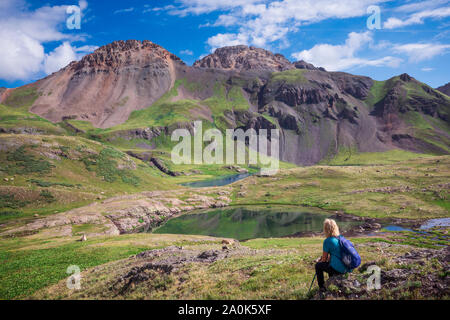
{"type": "Point", "coordinates": [349, 256]}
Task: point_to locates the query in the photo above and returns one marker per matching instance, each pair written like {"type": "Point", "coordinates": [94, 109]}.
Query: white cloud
{"type": "Point", "coordinates": [421, 5]}
{"type": "Point", "coordinates": [345, 56]}
{"type": "Point", "coordinates": [187, 52]}
{"type": "Point", "coordinates": [227, 39]}
{"type": "Point", "coordinates": [206, 6]}
{"type": "Point", "coordinates": [262, 22]}
{"type": "Point", "coordinates": [124, 10]}
{"type": "Point", "coordinates": [427, 69]}
{"type": "Point", "coordinates": [63, 55]}
{"type": "Point", "coordinates": [148, 8]}
{"type": "Point", "coordinates": [22, 35]}
{"type": "Point", "coordinates": [342, 57]}
{"type": "Point", "coordinates": [21, 55]}
{"type": "Point", "coordinates": [85, 49]}
{"type": "Point", "coordinates": [421, 51]}
{"type": "Point", "coordinates": [83, 4]}
{"type": "Point", "coordinates": [417, 18]}
{"type": "Point", "coordinates": [59, 58]}
{"type": "Point", "coordinates": [226, 21]}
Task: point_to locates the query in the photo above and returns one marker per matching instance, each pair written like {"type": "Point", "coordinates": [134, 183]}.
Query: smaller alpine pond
{"type": "Point", "coordinates": [243, 223]}
{"type": "Point", "coordinates": [219, 182]}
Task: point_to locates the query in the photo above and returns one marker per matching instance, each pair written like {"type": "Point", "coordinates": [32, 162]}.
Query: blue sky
{"type": "Point", "coordinates": [414, 36]}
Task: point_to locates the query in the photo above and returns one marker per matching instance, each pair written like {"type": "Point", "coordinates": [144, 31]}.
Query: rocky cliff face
{"type": "Point", "coordinates": [319, 113]}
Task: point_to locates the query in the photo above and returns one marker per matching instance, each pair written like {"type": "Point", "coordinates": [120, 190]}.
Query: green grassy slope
{"type": "Point", "coordinates": [432, 130]}
{"type": "Point", "coordinates": [410, 188]}
{"type": "Point", "coordinates": [20, 120]}
{"type": "Point", "coordinates": [260, 268]}
{"type": "Point", "coordinates": [46, 174]}
{"type": "Point", "coordinates": [14, 113]}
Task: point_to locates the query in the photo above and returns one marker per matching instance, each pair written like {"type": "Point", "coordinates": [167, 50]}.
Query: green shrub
{"type": "Point", "coordinates": [105, 166]}
{"type": "Point", "coordinates": [47, 184]}
{"type": "Point", "coordinates": [8, 213]}
{"type": "Point", "coordinates": [47, 196]}
{"type": "Point", "coordinates": [9, 201]}
{"type": "Point", "coordinates": [22, 162]}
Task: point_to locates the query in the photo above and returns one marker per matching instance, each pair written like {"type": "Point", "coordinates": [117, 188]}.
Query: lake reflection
{"type": "Point", "coordinates": [250, 222]}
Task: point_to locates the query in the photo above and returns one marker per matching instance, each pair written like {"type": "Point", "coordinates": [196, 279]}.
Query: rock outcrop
{"type": "Point", "coordinates": [445, 89]}
{"type": "Point", "coordinates": [129, 213]}
{"type": "Point", "coordinates": [239, 58]}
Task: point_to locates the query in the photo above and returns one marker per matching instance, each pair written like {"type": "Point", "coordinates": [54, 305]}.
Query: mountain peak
{"type": "Point", "coordinates": [124, 53]}
{"type": "Point", "coordinates": [104, 87]}
{"type": "Point", "coordinates": [244, 58]}
{"type": "Point", "coordinates": [406, 77]}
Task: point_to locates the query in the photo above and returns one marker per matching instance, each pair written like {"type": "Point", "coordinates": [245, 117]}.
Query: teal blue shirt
{"type": "Point", "coordinates": [331, 246]}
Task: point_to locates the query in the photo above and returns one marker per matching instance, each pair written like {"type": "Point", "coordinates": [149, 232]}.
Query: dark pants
{"type": "Point", "coordinates": [320, 268]}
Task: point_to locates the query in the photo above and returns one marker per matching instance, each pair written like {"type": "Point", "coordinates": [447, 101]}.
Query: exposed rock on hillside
{"type": "Point", "coordinates": [244, 58]}
{"type": "Point", "coordinates": [304, 65]}
{"type": "Point", "coordinates": [445, 89]}
{"type": "Point", "coordinates": [130, 213]}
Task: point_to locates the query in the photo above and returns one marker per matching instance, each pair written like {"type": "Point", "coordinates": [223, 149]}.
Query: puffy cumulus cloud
{"type": "Point", "coordinates": [421, 51]}
{"type": "Point", "coordinates": [21, 55]}
{"type": "Point", "coordinates": [345, 56]}
{"type": "Point", "coordinates": [342, 57]}
{"type": "Point", "coordinates": [22, 35]}
{"type": "Point", "coordinates": [262, 22]}
{"type": "Point", "coordinates": [59, 58]}
{"type": "Point", "coordinates": [63, 55]}
{"type": "Point", "coordinates": [417, 18]}
{"type": "Point", "coordinates": [227, 39]}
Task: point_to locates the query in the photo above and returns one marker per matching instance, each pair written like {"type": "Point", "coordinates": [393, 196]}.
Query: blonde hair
{"type": "Point", "coordinates": [330, 228]}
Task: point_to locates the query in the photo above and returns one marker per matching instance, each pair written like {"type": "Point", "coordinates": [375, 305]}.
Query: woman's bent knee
{"type": "Point", "coordinates": [318, 266]}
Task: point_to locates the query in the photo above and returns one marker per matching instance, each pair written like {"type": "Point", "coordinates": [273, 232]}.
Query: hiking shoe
{"type": "Point", "coordinates": [322, 293]}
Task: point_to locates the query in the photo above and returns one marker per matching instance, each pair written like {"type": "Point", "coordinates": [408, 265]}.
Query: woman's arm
{"type": "Point", "coordinates": [325, 257]}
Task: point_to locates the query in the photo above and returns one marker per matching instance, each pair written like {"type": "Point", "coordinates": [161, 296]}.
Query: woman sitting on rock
{"type": "Point", "coordinates": [330, 262]}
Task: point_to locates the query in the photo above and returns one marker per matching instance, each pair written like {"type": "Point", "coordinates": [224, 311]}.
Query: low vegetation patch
{"type": "Point", "coordinates": [22, 162]}
{"type": "Point", "coordinates": [290, 76]}
{"type": "Point", "coordinates": [23, 97]}
{"type": "Point", "coordinates": [8, 200]}
{"type": "Point", "coordinates": [47, 184]}
{"type": "Point", "coordinates": [105, 165]}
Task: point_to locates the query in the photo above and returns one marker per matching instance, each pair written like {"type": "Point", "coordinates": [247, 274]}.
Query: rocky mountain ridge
{"type": "Point", "coordinates": [320, 114]}
{"type": "Point", "coordinates": [445, 89]}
